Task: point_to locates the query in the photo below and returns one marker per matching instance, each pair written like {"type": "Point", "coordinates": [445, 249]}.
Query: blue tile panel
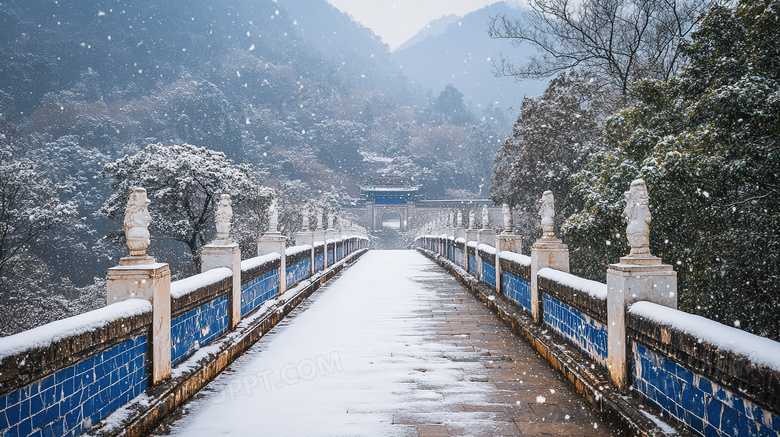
{"type": "Point", "coordinates": [489, 273]}
{"type": "Point", "coordinates": [702, 405]}
{"type": "Point", "coordinates": [585, 333]}
{"type": "Point", "coordinates": [77, 397]}
{"type": "Point", "coordinates": [198, 327]}
{"type": "Point", "coordinates": [319, 262]}
{"type": "Point", "coordinates": [450, 255]}
{"type": "Point", "coordinates": [472, 264]}
{"type": "Point", "coordinates": [298, 272]}
{"type": "Point", "coordinates": [330, 255]}
{"type": "Point", "coordinates": [516, 289]}
{"type": "Point", "coordinates": [255, 292]}
{"type": "Point", "coordinates": [340, 251]}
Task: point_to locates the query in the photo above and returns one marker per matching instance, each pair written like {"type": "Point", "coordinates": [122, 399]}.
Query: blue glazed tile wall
{"type": "Point", "coordinates": [704, 406]}
{"type": "Point", "coordinates": [582, 331]}
{"type": "Point", "coordinates": [319, 262]}
{"type": "Point", "coordinates": [340, 251]}
{"type": "Point", "coordinates": [330, 255]}
{"type": "Point", "coordinates": [298, 272]}
{"type": "Point", "coordinates": [489, 273]}
{"type": "Point", "coordinates": [517, 289]}
{"type": "Point", "coordinates": [255, 292]}
{"type": "Point", "coordinates": [198, 327]}
{"type": "Point", "coordinates": [472, 264]}
{"type": "Point", "coordinates": [77, 397]}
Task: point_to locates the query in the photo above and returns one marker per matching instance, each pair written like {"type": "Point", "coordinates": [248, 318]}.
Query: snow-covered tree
{"type": "Point", "coordinates": [550, 141]}
{"type": "Point", "coordinates": [621, 40]}
{"type": "Point", "coordinates": [707, 142]}
{"type": "Point", "coordinates": [184, 182]}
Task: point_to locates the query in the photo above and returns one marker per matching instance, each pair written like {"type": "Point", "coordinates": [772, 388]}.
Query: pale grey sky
{"type": "Point", "coordinates": [395, 21]}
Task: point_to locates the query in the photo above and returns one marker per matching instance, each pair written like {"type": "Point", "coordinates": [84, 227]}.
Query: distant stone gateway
{"type": "Point", "coordinates": [385, 198]}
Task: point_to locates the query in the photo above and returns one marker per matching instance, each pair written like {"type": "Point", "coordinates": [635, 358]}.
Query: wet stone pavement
{"type": "Point", "coordinates": [392, 346]}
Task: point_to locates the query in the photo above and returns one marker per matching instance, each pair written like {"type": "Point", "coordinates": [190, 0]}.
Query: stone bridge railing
{"type": "Point", "coordinates": [63, 378]}
{"type": "Point", "coordinates": [711, 378]}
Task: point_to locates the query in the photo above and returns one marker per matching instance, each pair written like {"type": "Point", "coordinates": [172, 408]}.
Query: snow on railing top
{"type": "Point", "coordinates": [759, 350]}
{"type": "Point", "coordinates": [472, 244]}
{"type": "Point", "coordinates": [295, 250]}
{"type": "Point", "coordinates": [487, 248]}
{"type": "Point", "coordinates": [44, 336]}
{"type": "Point", "coordinates": [516, 257]}
{"type": "Point", "coordinates": [592, 288]}
{"type": "Point", "coordinates": [460, 240]}
{"type": "Point", "coordinates": [187, 285]}
{"type": "Point", "coordinates": [249, 264]}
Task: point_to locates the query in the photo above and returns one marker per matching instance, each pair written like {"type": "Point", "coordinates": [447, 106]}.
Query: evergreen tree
{"type": "Point", "coordinates": [707, 142]}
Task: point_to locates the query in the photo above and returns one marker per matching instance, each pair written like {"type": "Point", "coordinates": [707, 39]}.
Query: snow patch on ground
{"type": "Point", "coordinates": [759, 350]}
{"type": "Point", "coordinates": [44, 336]}
{"type": "Point", "coordinates": [524, 260]}
{"type": "Point", "coordinates": [592, 288]}
{"type": "Point", "coordinates": [349, 362]}
{"type": "Point", "coordinates": [668, 430]}
{"type": "Point", "coordinates": [186, 286]}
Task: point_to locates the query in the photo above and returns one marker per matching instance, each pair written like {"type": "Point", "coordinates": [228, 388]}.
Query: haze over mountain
{"type": "Point", "coordinates": [462, 54]}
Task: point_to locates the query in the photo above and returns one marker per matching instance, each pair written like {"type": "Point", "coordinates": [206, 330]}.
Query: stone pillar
{"type": "Point", "coordinates": [226, 255]}
{"type": "Point", "coordinates": [138, 276]}
{"type": "Point", "coordinates": [273, 241]}
{"type": "Point", "coordinates": [460, 231]}
{"type": "Point", "coordinates": [547, 251]}
{"type": "Point", "coordinates": [223, 252]}
{"type": "Point", "coordinates": [507, 241]}
{"type": "Point", "coordinates": [471, 235]}
{"type": "Point", "coordinates": [639, 276]}
{"type": "Point", "coordinates": [305, 236]}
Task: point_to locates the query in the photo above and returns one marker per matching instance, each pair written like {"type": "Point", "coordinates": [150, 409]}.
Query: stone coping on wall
{"type": "Point", "coordinates": [590, 305]}
{"type": "Point", "coordinates": [256, 267]}
{"type": "Point", "coordinates": [34, 354]}
{"type": "Point", "coordinates": [758, 383]}
{"type": "Point", "coordinates": [142, 414]}
{"type": "Point", "coordinates": [199, 289]}
{"type": "Point", "coordinates": [486, 254]}
{"type": "Point", "coordinates": [510, 264]}
{"type": "Point", "coordinates": [585, 376]}
{"type": "Point", "coordinates": [297, 254]}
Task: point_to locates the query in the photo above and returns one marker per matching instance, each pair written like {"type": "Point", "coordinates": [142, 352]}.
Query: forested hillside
{"type": "Point", "coordinates": [310, 113]}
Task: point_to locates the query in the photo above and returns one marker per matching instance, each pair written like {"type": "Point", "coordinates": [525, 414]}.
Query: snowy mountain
{"type": "Point", "coordinates": [462, 55]}
{"type": "Point", "coordinates": [434, 28]}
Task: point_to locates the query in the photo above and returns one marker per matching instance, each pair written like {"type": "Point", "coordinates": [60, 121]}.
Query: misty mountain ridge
{"type": "Point", "coordinates": [463, 55]}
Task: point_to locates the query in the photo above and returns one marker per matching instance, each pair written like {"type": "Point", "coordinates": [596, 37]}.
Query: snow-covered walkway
{"type": "Point", "coordinates": [393, 346]}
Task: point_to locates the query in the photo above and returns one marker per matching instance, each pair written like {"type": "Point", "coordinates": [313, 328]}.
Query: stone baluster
{"type": "Point", "coordinates": [224, 252]}
{"type": "Point", "coordinates": [274, 242]}
{"type": "Point", "coordinates": [547, 251]}
{"type": "Point", "coordinates": [139, 276]}
{"type": "Point", "coordinates": [639, 276]}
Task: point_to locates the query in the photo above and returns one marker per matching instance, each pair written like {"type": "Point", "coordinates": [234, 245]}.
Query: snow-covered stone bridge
{"type": "Point", "coordinates": [462, 336]}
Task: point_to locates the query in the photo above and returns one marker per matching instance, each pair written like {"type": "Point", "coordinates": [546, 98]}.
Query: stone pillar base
{"type": "Point", "coordinates": [546, 252]}
{"type": "Point", "coordinates": [509, 242]}
{"type": "Point", "coordinates": [226, 255]}
{"type": "Point", "coordinates": [487, 236]}
{"type": "Point", "coordinates": [153, 283]}
{"type": "Point", "coordinates": [633, 279]}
